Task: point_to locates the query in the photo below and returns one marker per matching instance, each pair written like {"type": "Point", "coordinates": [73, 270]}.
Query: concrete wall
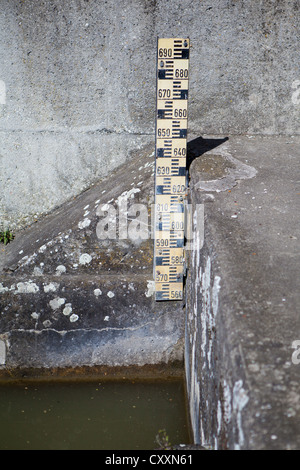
{"type": "Point", "coordinates": [242, 298]}
{"type": "Point", "coordinates": [77, 85]}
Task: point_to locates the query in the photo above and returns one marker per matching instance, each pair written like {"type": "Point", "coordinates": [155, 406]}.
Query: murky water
{"type": "Point", "coordinates": [93, 415]}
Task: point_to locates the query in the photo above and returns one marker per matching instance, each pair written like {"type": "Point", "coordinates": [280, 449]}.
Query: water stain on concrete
{"type": "Point", "coordinates": [218, 172]}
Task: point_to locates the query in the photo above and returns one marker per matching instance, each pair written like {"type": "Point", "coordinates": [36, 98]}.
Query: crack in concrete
{"type": "Point", "coordinates": [64, 332]}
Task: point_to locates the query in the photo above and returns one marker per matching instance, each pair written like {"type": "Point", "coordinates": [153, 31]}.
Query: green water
{"type": "Point", "coordinates": [91, 416]}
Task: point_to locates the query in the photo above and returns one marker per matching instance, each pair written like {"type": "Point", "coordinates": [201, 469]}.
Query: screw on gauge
{"type": "Point", "coordinates": [185, 43]}
{"type": "Point", "coordinates": [162, 63]}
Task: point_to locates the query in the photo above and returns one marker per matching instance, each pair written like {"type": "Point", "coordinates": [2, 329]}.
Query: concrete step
{"type": "Point", "coordinates": [87, 320]}
{"type": "Point", "coordinates": [69, 299]}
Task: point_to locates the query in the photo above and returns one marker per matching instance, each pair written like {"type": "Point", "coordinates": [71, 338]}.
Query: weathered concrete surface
{"type": "Point", "coordinates": [75, 326]}
{"type": "Point", "coordinates": [77, 85]}
{"type": "Point", "coordinates": [242, 358]}
{"type": "Point", "coordinates": [69, 299]}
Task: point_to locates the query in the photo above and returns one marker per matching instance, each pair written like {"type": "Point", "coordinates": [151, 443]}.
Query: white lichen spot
{"type": "Point", "coordinates": [227, 403]}
{"type": "Point", "coordinates": [106, 318]}
{"type": "Point", "coordinates": [296, 93]}
{"type": "Point", "coordinates": [35, 315]}
{"type": "Point", "coordinates": [239, 401]}
{"type": "Point", "coordinates": [255, 99]}
{"type": "Point", "coordinates": [73, 318]}
{"type": "Point", "coordinates": [42, 248]}
{"type": "Point", "coordinates": [47, 323]}
{"type": "Point", "coordinates": [2, 92]}
{"type": "Point", "coordinates": [85, 258]}
{"type": "Point", "coordinates": [56, 303]}
{"type": "Point", "coordinates": [97, 292]}
{"type": "Point", "coordinates": [51, 287]}
{"type": "Point", "coordinates": [110, 294]}
{"type": "Point", "coordinates": [27, 288]}
{"type": "Point", "coordinates": [2, 353]}
{"type": "Point", "coordinates": [151, 288]}
{"type": "Point", "coordinates": [37, 271]}
{"type": "Point", "coordinates": [254, 367]}
{"type": "Point", "coordinates": [219, 417]}
{"type": "Point", "coordinates": [84, 223]}
{"type": "Point", "coordinates": [105, 207]}
{"type": "Point", "coordinates": [67, 310]}
{"type": "Point", "coordinates": [60, 270]}
{"type": "Point", "coordinates": [126, 195]}
{"type": "Point", "coordinates": [2, 288]}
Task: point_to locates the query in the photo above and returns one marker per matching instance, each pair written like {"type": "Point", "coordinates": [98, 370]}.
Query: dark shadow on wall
{"type": "Point", "coordinates": [198, 146]}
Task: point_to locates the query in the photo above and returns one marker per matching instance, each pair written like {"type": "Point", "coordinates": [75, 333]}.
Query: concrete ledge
{"type": "Point", "coordinates": [148, 372]}
{"type": "Point", "coordinates": [243, 298]}
{"type": "Point", "coordinates": [88, 320]}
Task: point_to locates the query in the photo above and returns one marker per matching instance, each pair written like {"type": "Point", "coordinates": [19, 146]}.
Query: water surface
{"type": "Point", "coordinates": [91, 415]}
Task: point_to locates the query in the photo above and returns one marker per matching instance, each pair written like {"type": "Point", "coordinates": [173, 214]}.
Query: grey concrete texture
{"type": "Point", "coordinates": [77, 85]}
{"type": "Point", "coordinates": [243, 324]}
{"type": "Point", "coordinates": [71, 325]}
{"type": "Point", "coordinates": [69, 299]}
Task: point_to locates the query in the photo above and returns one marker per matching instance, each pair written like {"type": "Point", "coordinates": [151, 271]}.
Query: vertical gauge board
{"type": "Point", "coordinates": [172, 85]}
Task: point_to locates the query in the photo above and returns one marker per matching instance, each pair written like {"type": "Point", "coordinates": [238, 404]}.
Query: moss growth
{"type": "Point", "coordinates": [6, 236]}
